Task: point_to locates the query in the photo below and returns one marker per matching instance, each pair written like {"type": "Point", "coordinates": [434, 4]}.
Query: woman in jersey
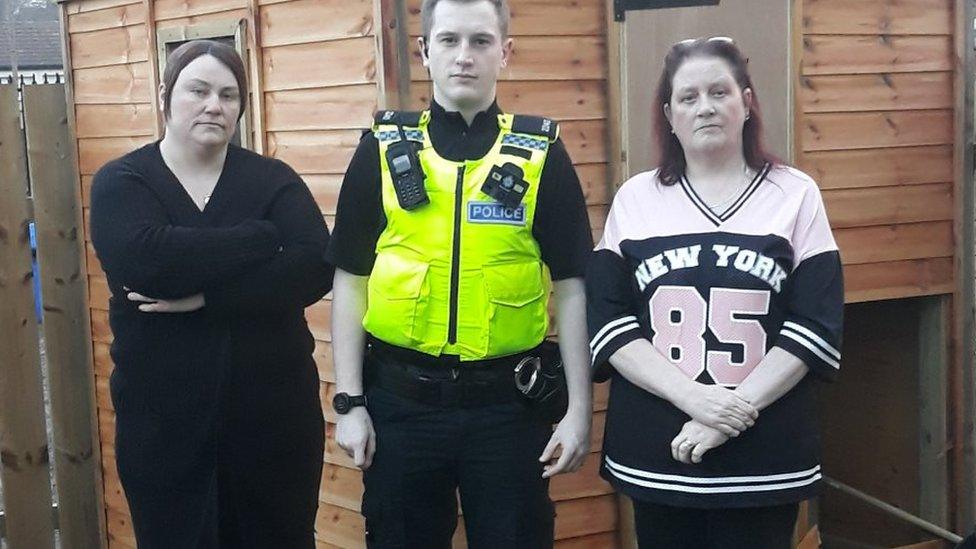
{"type": "Point", "coordinates": [715, 307]}
{"type": "Point", "coordinates": [212, 253]}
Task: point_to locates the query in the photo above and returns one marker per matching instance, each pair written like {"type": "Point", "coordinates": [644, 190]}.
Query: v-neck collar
{"type": "Point", "coordinates": [719, 218]}
{"type": "Point", "coordinates": [183, 196]}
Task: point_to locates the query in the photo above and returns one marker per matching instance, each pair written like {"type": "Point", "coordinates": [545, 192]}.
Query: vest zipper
{"type": "Point", "coordinates": [455, 258]}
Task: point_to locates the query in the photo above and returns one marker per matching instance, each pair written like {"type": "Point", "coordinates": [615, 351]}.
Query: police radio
{"type": "Point", "coordinates": [506, 185]}
{"type": "Point", "coordinates": [408, 176]}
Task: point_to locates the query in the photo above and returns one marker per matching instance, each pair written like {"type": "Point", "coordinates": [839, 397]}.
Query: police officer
{"type": "Point", "coordinates": [450, 224]}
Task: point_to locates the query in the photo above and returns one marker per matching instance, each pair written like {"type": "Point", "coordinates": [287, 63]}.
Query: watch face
{"type": "Point", "coordinates": [340, 403]}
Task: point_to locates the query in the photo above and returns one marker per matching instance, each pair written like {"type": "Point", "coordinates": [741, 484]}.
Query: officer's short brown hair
{"type": "Point", "coordinates": [427, 14]}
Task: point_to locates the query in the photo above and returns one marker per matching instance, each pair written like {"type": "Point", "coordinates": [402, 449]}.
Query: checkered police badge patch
{"type": "Point", "coordinates": [495, 213]}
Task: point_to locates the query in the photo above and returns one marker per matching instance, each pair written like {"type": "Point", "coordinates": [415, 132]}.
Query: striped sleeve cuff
{"type": "Point", "coordinates": [612, 336]}
{"type": "Point", "coordinates": [814, 350]}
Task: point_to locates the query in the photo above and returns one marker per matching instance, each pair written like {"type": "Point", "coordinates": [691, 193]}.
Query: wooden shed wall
{"type": "Point", "coordinates": [874, 110]}
{"type": "Point", "coordinates": [316, 77]}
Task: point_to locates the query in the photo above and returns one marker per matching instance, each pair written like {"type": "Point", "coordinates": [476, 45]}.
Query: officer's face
{"type": "Point", "coordinates": [707, 109]}
{"type": "Point", "coordinates": [465, 53]}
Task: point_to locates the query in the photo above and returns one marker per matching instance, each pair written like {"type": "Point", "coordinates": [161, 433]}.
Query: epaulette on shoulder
{"type": "Point", "coordinates": [400, 118]}
{"type": "Point", "coordinates": [535, 125]}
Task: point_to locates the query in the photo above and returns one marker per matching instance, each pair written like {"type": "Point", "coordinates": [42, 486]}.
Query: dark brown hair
{"type": "Point", "coordinates": [427, 14]}
{"type": "Point", "coordinates": [186, 53]}
{"type": "Point", "coordinates": [672, 156]}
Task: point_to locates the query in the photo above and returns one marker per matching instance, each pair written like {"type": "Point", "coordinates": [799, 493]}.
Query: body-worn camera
{"type": "Point", "coordinates": [505, 184]}
{"type": "Point", "coordinates": [408, 176]}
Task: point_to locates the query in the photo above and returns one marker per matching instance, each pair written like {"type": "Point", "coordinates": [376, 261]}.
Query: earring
{"type": "Point", "coordinates": [748, 114]}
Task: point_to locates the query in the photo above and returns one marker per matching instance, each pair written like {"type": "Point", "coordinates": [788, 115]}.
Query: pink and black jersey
{"type": "Point", "coordinates": [713, 292]}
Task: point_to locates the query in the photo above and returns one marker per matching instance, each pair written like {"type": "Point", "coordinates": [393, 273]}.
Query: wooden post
{"type": "Point", "coordinates": [67, 325]}
{"type": "Point", "coordinates": [963, 380]}
{"type": "Point", "coordinates": [933, 446]}
{"type": "Point", "coordinates": [24, 460]}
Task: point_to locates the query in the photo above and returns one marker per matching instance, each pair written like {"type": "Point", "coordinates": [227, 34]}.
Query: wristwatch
{"type": "Point", "coordinates": [342, 402]}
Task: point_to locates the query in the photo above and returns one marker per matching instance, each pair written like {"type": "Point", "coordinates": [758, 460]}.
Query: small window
{"type": "Point", "coordinates": [230, 33]}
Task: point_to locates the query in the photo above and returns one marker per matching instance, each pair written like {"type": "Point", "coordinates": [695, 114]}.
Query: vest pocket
{"type": "Point", "coordinates": [395, 287]}
{"type": "Point", "coordinates": [518, 318]}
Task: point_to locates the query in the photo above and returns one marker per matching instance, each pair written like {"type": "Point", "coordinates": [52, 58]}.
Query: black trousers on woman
{"type": "Point", "coordinates": [245, 478]}
{"type": "Point", "coordinates": [666, 527]}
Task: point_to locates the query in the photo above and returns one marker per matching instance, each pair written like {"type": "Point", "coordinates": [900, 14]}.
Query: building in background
{"type": "Point", "coordinates": [30, 43]}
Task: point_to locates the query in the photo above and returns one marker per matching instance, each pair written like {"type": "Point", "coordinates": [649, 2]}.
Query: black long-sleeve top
{"type": "Point", "coordinates": [255, 252]}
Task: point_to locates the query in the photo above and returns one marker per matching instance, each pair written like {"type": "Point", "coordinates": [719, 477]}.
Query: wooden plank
{"type": "Point", "coordinates": [109, 47]}
{"type": "Point", "coordinates": [334, 63]}
{"type": "Point", "coordinates": [98, 292]}
{"type": "Point", "coordinates": [254, 63]}
{"type": "Point", "coordinates": [875, 54]}
{"type": "Point", "coordinates": [319, 317]}
{"type": "Point", "coordinates": [392, 54]}
{"type": "Point", "coordinates": [898, 279]}
{"type": "Point", "coordinates": [94, 267]}
{"type": "Point", "coordinates": [845, 131]}
{"type": "Point", "coordinates": [111, 17]}
{"type": "Point", "coordinates": [154, 72]}
{"type": "Point", "coordinates": [94, 5]}
{"type": "Point", "coordinates": [323, 361]}
{"type": "Point", "coordinates": [606, 540]}
{"type": "Point", "coordinates": [228, 17]}
{"type": "Point", "coordinates": [305, 21]}
{"type": "Point", "coordinates": [111, 85]}
{"type": "Point", "coordinates": [585, 140]}
{"type": "Point", "coordinates": [583, 483]}
{"type": "Point", "coordinates": [342, 487]}
{"type": "Point", "coordinates": [325, 190]}
{"type": "Point", "coordinates": [120, 530]}
{"type": "Point", "coordinates": [536, 17]}
{"type": "Point", "coordinates": [580, 517]}
{"type": "Point", "coordinates": [546, 58]}
{"type": "Point", "coordinates": [340, 526]}
{"type": "Point", "coordinates": [895, 242]}
{"type": "Point", "coordinates": [93, 153]}
{"type": "Point", "coordinates": [878, 17]}
{"type": "Point", "coordinates": [876, 92]}
{"type": "Point", "coordinates": [24, 470]}
{"type": "Point", "coordinates": [933, 383]}
{"type": "Point", "coordinates": [879, 167]}
{"type": "Point", "coordinates": [175, 9]}
{"type": "Point", "coordinates": [57, 215]}
{"type": "Point", "coordinates": [333, 108]}
{"type": "Point", "coordinates": [102, 358]}
{"type": "Point", "coordinates": [103, 396]}
{"type": "Point", "coordinates": [593, 180]}
{"type": "Point", "coordinates": [101, 332]}
{"type": "Point", "coordinates": [133, 120]}
{"type": "Point", "coordinates": [309, 152]}
{"type": "Point", "coordinates": [888, 205]}
{"type": "Point", "coordinates": [962, 391]}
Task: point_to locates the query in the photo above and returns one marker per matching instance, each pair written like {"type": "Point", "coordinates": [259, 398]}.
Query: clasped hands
{"type": "Point", "coordinates": [717, 414]}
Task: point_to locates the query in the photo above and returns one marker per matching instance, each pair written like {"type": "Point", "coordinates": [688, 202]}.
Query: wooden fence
{"type": "Point", "coordinates": [37, 152]}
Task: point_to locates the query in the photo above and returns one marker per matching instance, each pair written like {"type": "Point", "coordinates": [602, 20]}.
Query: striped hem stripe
{"type": "Point", "coordinates": [831, 350]}
{"type": "Point", "coordinates": [611, 330]}
{"type": "Point", "coordinates": [713, 485]}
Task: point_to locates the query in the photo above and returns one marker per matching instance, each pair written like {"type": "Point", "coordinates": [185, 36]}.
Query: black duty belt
{"type": "Point", "coordinates": [438, 382]}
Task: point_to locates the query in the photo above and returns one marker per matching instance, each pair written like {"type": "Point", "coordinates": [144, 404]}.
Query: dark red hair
{"type": "Point", "coordinates": [672, 156]}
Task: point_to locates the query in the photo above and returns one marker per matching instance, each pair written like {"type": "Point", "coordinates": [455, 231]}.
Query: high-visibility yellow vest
{"type": "Point", "coordinates": [461, 275]}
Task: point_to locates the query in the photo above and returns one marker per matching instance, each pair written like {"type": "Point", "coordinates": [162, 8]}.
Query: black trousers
{"type": "Point", "coordinates": [246, 477]}
{"type": "Point", "coordinates": [666, 527]}
{"type": "Point", "coordinates": [426, 454]}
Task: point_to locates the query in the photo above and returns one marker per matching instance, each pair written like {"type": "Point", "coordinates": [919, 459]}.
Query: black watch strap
{"type": "Point", "coordinates": [343, 402]}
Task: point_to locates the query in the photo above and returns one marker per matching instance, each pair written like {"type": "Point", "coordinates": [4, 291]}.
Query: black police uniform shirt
{"type": "Point", "coordinates": [561, 226]}
{"type": "Point", "coordinates": [714, 292]}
